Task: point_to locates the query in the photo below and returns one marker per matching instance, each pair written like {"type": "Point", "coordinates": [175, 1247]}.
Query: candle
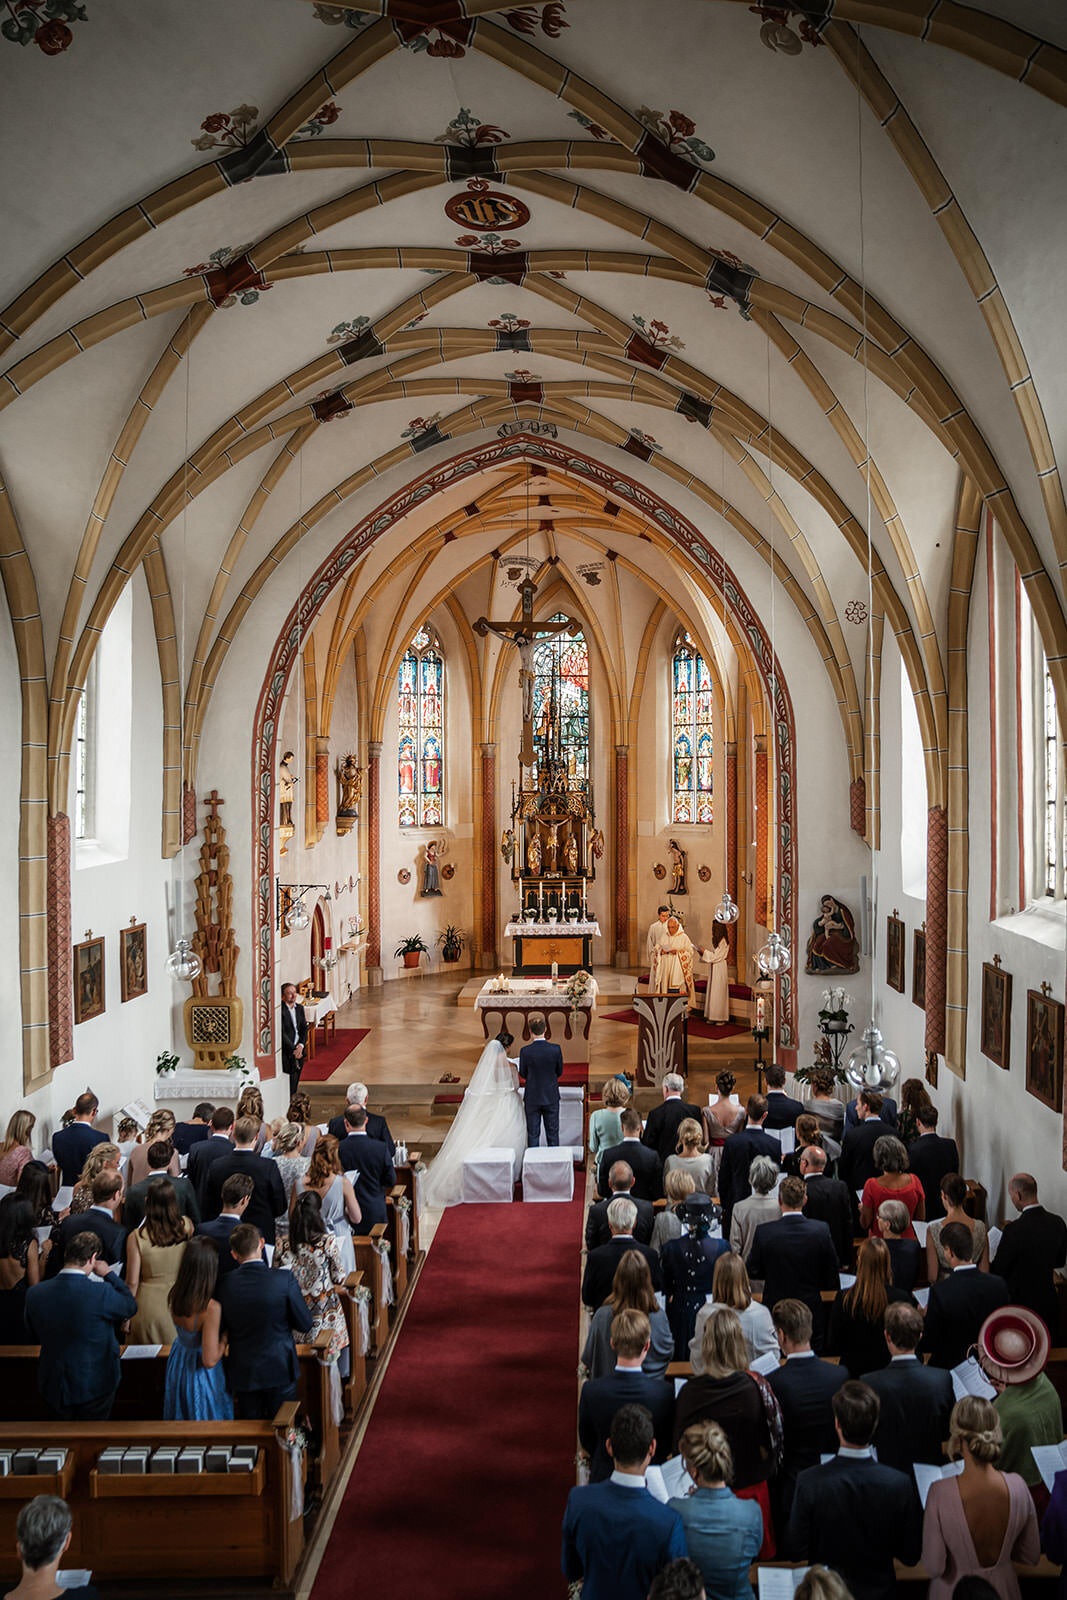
{"type": "Point", "coordinates": [540, 898]}
{"type": "Point", "coordinates": [555, 971]}
{"type": "Point", "coordinates": [759, 1012]}
{"type": "Point", "coordinates": [583, 899]}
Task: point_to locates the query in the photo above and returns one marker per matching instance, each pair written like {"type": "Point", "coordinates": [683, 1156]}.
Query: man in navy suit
{"type": "Point", "coordinates": [371, 1161]}
{"type": "Point", "coordinates": [219, 1143]}
{"type": "Point", "coordinates": [857, 1148]}
{"type": "Point", "coordinates": [738, 1154]}
{"type": "Point", "coordinates": [794, 1256]}
{"type": "Point", "coordinates": [102, 1218]}
{"type": "Point", "coordinates": [77, 1325]}
{"type": "Point", "coordinates": [804, 1386]}
{"type": "Point", "coordinates": [915, 1401]}
{"type": "Point", "coordinates": [294, 1036]}
{"type": "Point", "coordinates": [960, 1303]}
{"type": "Point", "coordinates": [627, 1385]}
{"type": "Point", "coordinates": [1032, 1247]}
{"type": "Point", "coordinates": [71, 1145]}
{"type": "Point", "coordinates": [600, 1264]}
{"type": "Point", "coordinates": [644, 1163]}
{"type": "Point", "coordinates": [597, 1227]}
{"type": "Point", "coordinates": [888, 1113]}
{"type": "Point", "coordinates": [782, 1109]}
{"type": "Point", "coordinates": [186, 1134]}
{"type": "Point", "coordinates": [661, 1129]}
{"type": "Point", "coordinates": [236, 1193]}
{"type": "Point", "coordinates": [377, 1127]}
{"type": "Point", "coordinates": [853, 1514]}
{"type": "Point", "coordinates": [268, 1193]}
{"type": "Point", "coordinates": [540, 1069]}
{"type": "Point", "coordinates": [261, 1310]}
{"type": "Point", "coordinates": [828, 1200]}
{"type": "Point", "coordinates": [932, 1158]}
{"type": "Point", "coordinates": [616, 1537]}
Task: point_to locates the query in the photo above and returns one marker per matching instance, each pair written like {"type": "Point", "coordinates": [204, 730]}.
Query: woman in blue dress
{"type": "Point", "coordinates": [688, 1266]}
{"type": "Point", "coordinates": [196, 1386]}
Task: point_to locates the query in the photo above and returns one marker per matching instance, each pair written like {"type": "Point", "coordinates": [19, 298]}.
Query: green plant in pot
{"type": "Point", "coordinates": [451, 940]}
{"type": "Point", "coordinates": [411, 949]}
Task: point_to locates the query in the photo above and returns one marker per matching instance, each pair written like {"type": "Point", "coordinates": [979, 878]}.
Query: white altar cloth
{"type": "Point", "coordinates": [186, 1083]}
{"type": "Point", "coordinates": [531, 994]}
{"type": "Point", "coordinates": [542, 930]}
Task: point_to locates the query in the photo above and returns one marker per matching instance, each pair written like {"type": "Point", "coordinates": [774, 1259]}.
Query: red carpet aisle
{"type": "Point", "coordinates": [461, 1482]}
{"type": "Point", "coordinates": [328, 1057]}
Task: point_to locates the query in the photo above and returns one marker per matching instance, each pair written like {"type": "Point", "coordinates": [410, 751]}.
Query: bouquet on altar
{"type": "Point", "coordinates": [579, 985]}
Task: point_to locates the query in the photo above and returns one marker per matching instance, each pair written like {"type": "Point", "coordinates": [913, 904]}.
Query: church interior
{"type": "Point", "coordinates": [719, 346]}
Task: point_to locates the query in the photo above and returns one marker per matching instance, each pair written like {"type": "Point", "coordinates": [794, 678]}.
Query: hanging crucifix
{"type": "Point", "coordinates": [522, 635]}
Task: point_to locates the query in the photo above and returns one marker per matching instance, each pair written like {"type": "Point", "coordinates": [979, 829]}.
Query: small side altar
{"type": "Point", "coordinates": [511, 1008]}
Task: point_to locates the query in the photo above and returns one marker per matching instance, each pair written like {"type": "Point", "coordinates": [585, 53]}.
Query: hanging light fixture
{"type": "Point", "coordinates": [727, 911]}
{"type": "Point", "coordinates": [183, 963]}
{"type": "Point", "coordinates": [874, 1066]}
{"type": "Point", "coordinates": [296, 918]}
{"type": "Point", "coordinates": [775, 956]}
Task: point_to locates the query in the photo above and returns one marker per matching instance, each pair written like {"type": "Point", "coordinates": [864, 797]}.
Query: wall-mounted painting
{"type": "Point", "coordinates": [894, 953]}
{"type": "Point", "coordinates": [996, 1014]}
{"type": "Point", "coordinates": [133, 960]}
{"type": "Point", "coordinates": [918, 969]}
{"type": "Point", "coordinates": [1044, 1049]}
{"type": "Point", "coordinates": [88, 979]}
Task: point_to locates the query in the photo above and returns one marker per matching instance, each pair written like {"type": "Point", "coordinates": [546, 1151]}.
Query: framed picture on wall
{"type": "Point", "coordinates": [1044, 1049]}
{"type": "Point", "coordinates": [894, 953]}
{"type": "Point", "coordinates": [996, 1014]}
{"type": "Point", "coordinates": [88, 979]}
{"type": "Point", "coordinates": [133, 961]}
{"type": "Point", "coordinates": [918, 969]}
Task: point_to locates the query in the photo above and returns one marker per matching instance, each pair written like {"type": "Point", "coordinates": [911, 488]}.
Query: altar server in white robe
{"type": "Point", "coordinates": [656, 933]}
{"type": "Point", "coordinates": [672, 963]}
{"type": "Point", "coordinates": [717, 993]}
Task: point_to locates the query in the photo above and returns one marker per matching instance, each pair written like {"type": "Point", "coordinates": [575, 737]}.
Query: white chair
{"type": "Point", "coordinates": [489, 1177]}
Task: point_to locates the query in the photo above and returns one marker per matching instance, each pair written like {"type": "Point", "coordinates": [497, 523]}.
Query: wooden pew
{"type": "Point", "coordinates": [406, 1178]}
{"type": "Point", "coordinates": [236, 1525]}
{"type": "Point", "coordinates": [356, 1386]}
{"type": "Point", "coordinates": [397, 1258]}
{"type": "Point", "coordinates": [369, 1263]}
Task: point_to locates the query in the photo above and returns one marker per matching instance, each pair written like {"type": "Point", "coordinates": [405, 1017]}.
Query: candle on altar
{"type": "Point", "coordinates": [760, 1005]}
{"type": "Point", "coordinates": [583, 899]}
{"type": "Point", "coordinates": [540, 898]}
{"type": "Point", "coordinates": [555, 971]}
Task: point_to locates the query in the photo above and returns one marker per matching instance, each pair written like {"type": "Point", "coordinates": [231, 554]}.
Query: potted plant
{"type": "Point", "coordinates": [166, 1062]}
{"type": "Point", "coordinates": [451, 941]}
{"type": "Point", "coordinates": [411, 949]}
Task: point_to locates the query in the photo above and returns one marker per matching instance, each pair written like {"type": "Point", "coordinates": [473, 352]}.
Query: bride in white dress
{"type": "Point", "coordinates": [491, 1115]}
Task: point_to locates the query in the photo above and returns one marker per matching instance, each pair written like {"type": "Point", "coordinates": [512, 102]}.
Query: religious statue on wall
{"type": "Point", "coordinates": [431, 875]}
{"type": "Point", "coordinates": [533, 856]}
{"type": "Point", "coordinates": [507, 845]}
{"type": "Point", "coordinates": [349, 793]}
{"type": "Point", "coordinates": [832, 944]}
{"type": "Point", "coordinates": [596, 844]}
{"type": "Point", "coordinates": [570, 855]}
{"type": "Point", "coordinates": [679, 859]}
{"type": "Point", "coordinates": [287, 782]}
{"type": "Point", "coordinates": [552, 848]}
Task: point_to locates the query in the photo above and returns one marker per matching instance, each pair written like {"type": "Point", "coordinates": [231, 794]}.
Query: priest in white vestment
{"type": "Point", "coordinates": [672, 963]}
{"type": "Point", "coordinates": [656, 932]}
{"type": "Point", "coordinates": [717, 993]}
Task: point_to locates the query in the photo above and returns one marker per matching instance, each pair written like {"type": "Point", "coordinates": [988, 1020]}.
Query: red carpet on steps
{"type": "Point", "coordinates": [698, 1028]}
{"type": "Point", "coordinates": [328, 1057]}
{"type": "Point", "coordinates": [460, 1484]}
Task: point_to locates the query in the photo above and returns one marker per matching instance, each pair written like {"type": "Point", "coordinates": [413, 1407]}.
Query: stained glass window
{"type": "Point", "coordinates": [561, 697]}
{"type": "Point", "coordinates": [692, 737]}
{"type": "Point", "coordinates": [421, 733]}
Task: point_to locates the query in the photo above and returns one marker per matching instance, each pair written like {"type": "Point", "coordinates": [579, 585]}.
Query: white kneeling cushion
{"type": "Point", "coordinates": [489, 1176]}
{"type": "Point", "coordinates": [548, 1174]}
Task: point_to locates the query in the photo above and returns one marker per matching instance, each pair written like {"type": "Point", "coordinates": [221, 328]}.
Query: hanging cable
{"type": "Point", "coordinates": [727, 910]}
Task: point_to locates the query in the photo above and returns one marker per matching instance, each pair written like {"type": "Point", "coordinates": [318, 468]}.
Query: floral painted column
{"type": "Point", "coordinates": [622, 855]}
{"type": "Point", "coordinates": [488, 906]}
{"type": "Point", "coordinates": [374, 862]}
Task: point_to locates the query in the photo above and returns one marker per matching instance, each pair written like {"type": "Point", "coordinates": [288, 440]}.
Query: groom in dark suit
{"type": "Point", "coordinates": [540, 1069]}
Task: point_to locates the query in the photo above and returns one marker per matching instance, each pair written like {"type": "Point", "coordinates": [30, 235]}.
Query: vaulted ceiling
{"type": "Point", "coordinates": [267, 262]}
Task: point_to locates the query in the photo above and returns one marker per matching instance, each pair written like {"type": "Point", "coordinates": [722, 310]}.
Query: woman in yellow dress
{"type": "Point", "coordinates": [154, 1253]}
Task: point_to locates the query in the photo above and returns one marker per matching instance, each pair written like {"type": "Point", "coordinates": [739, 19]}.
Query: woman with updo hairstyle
{"type": "Point", "coordinates": [722, 1116]}
{"type": "Point", "coordinates": [160, 1127]}
{"type": "Point", "coordinates": [605, 1128]}
{"type": "Point", "coordinates": [287, 1154]}
{"type": "Point", "coordinates": [300, 1111]}
{"type": "Point", "coordinates": [340, 1208]}
{"type": "Point", "coordinates": [631, 1290]}
{"type": "Point", "coordinates": [677, 1187]}
{"type": "Point", "coordinates": [893, 1182]}
{"type": "Point", "coordinates": [101, 1158]}
{"type": "Point", "coordinates": [251, 1105]}
{"type": "Point", "coordinates": [808, 1134]}
{"type": "Point", "coordinates": [824, 1103]}
{"type": "Point", "coordinates": [722, 1533]}
{"type": "Point", "coordinates": [978, 1524]}
{"type": "Point", "coordinates": [819, 1583]}
{"type": "Point", "coordinates": [692, 1156]}
{"type": "Point", "coordinates": [913, 1099]}
{"type": "Point", "coordinates": [688, 1265]}
{"type": "Point", "coordinates": [953, 1197]}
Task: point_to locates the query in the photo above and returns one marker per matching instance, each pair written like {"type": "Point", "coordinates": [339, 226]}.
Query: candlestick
{"type": "Point", "coordinates": [540, 898]}
{"type": "Point", "coordinates": [583, 899]}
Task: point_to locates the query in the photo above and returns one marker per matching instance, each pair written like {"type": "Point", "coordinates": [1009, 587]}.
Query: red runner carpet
{"type": "Point", "coordinates": [328, 1057]}
{"type": "Point", "coordinates": [698, 1028]}
{"type": "Point", "coordinates": [461, 1481]}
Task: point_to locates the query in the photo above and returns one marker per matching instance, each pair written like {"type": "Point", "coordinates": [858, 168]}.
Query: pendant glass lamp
{"type": "Point", "coordinates": [873, 1066]}
{"type": "Point", "coordinates": [775, 956]}
{"type": "Point", "coordinates": [727, 908]}
{"type": "Point", "coordinates": [183, 962]}
{"type": "Point", "coordinates": [296, 918]}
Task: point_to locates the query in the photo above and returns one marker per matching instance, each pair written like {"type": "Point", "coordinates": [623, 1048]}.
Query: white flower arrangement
{"type": "Point", "coordinates": [835, 1003]}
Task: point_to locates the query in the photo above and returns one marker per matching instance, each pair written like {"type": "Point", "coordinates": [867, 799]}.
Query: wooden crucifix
{"type": "Point", "coordinates": [522, 635]}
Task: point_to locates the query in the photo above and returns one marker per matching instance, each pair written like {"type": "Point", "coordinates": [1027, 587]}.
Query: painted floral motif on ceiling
{"type": "Point", "coordinates": [508, 322]}
{"type": "Point", "coordinates": [231, 130]}
{"type": "Point", "coordinates": [856, 612]}
{"type": "Point", "coordinates": [465, 129]}
{"type": "Point", "coordinates": [347, 330]}
{"type": "Point", "coordinates": [449, 39]}
{"type": "Point", "coordinates": [587, 122]}
{"type": "Point", "coordinates": [43, 23]}
{"type": "Point", "coordinates": [678, 132]}
{"type": "Point", "coordinates": [222, 258]}
{"type": "Point", "coordinates": [522, 376]}
{"type": "Point", "coordinates": [657, 333]}
{"type": "Point", "coordinates": [419, 425]}
{"type": "Point", "coordinates": [776, 33]}
{"type": "Point", "coordinates": [490, 244]}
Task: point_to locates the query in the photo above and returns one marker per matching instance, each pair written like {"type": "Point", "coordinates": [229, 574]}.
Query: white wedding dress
{"type": "Point", "coordinates": [491, 1115]}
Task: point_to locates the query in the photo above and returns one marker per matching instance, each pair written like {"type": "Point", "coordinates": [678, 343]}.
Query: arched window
{"type": "Point", "coordinates": [561, 696]}
{"type": "Point", "coordinates": [692, 737]}
{"type": "Point", "coordinates": [421, 742]}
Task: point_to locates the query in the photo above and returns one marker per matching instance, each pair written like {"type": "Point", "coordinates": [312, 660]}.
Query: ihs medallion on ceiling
{"type": "Point", "coordinates": [481, 207]}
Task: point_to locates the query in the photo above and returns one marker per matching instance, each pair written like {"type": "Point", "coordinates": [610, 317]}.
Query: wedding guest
{"type": "Point", "coordinates": [819, 1583]}
{"type": "Point", "coordinates": [268, 1196]}
{"type": "Point", "coordinates": [261, 1310]}
{"type": "Point", "coordinates": [626, 1384]}
{"type": "Point", "coordinates": [71, 1144]}
{"type": "Point", "coordinates": [34, 1185]}
{"type": "Point", "coordinates": [621, 1182]}
{"type": "Point", "coordinates": [77, 1323]}
{"type": "Point", "coordinates": [664, 1121]}
{"type": "Point", "coordinates": [979, 1523]}
{"type": "Point", "coordinates": [160, 1159]}
{"type": "Point", "coordinates": [236, 1194]}
{"type": "Point", "coordinates": [915, 1401]}
{"type": "Point", "coordinates": [104, 1217]}
{"type": "Point", "coordinates": [15, 1150]}
{"type": "Point", "coordinates": [372, 1162]}
{"type": "Point", "coordinates": [952, 1196]}
{"type": "Point", "coordinates": [105, 1157]}
{"type": "Point", "coordinates": [739, 1152]}
{"type": "Point", "coordinates": [905, 1255]}
{"type": "Point", "coordinates": [1054, 1529]}
{"type": "Point", "coordinates": [857, 1316]}
{"type": "Point", "coordinates": [154, 1253]}
{"type": "Point", "coordinates": [645, 1163]}
{"type": "Point", "coordinates": [809, 1136]}
{"type": "Point", "coordinates": [887, 1111]}
{"type": "Point", "coordinates": [251, 1105]}
{"type": "Point", "coordinates": [186, 1134]}
{"type": "Point", "coordinates": [827, 1200]}
{"type": "Point", "coordinates": [723, 1533]}
{"type": "Point", "coordinates": [743, 1405]}
{"type": "Point", "coordinates": [1030, 1250]}
{"type": "Point", "coordinates": [601, 1264]}
{"type": "Point", "coordinates": [341, 1211]}
{"type": "Point", "coordinates": [760, 1206]}
{"type": "Point", "coordinates": [782, 1109]}
{"type": "Point", "coordinates": [358, 1094]}
{"type": "Point", "coordinates": [804, 1386]}
{"type": "Point", "coordinates": [931, 1157]}
{"type": "Point", "coordinates": [914, 1101]}
{"type": "Point", "coordinates": [794, 1256]}
{"type": "Point", "coordinates": [893, 1181]}
{"type": "Point", "coordinates": [313, 1256]}
{"type": "Point", "coordinates": [218, 1144]}
{"type": "Point", "coordinates": [1012, 1350]}
{"type": "Point", "coordinates": [677, 1186]}
{"type": "Point", "coordinates": [679, 1580]}
{"type": "Point", "coordinates": [730, 1287]}
{"type": "Point", "coordinates": [692, 1156]}
{"type": "Point", "coordinates": [689, 1269]}
{"type": "Point", "coordinates": [960, 1303]}
{"type": "Point", "coordinates": [631, 1290]}
{"type": "Point", "coordinates": [42, 1538]}
{"type": "Point", "coordinates": [605, 1127]}
{"type": "Point", "coordinates": [287, 1153]}
{"type": "Point", "coordinates": [160, 1129]}
{"type": "Point", "coordinates": [300, 1112]}
{"type": "Point", "coordinates": [857, 1162]}
{"type": "Point", "coordinates": [20, 1267]}
{"type": "Point", "coordinates": [723, 1117]}
{"type": "Point", "coordinates": [824, 1104]}
{"type": "Point", "coordinates": [196, 1386]}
